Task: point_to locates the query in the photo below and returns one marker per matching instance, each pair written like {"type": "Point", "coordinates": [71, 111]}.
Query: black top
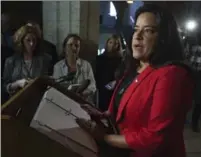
{"type": "Point", "coordinates": [121, 89]}
{"type": "Point", "coordinates": [105, 73]}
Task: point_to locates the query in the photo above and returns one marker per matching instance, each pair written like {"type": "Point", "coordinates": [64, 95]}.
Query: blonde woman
{"type": "Point", "coordinates": [27, 62]}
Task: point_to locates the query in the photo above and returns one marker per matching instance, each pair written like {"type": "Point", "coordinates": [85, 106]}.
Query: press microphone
{"type": "Point", "coordinates": [69, 77]}
{"type": "Point", "coordinates": [83, 86]}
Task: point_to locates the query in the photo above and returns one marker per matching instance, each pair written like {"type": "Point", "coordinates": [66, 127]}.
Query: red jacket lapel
{"type": "Point", "coordinates": [131, 89]}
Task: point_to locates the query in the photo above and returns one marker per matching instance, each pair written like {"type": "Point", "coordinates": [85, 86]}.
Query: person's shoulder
{"type": "Point", "coordinates": [60, 63]}
{"type": "Point", "coordinates": [83, 61]}
{"type": "Point", "coordinates": [9, 60]}
{"type": "Point", "coordinates": [174, 69]}
{"type": "Point", "coordinates": [12, 58]}
{"type": "Point", "coordinates": [46, 57]}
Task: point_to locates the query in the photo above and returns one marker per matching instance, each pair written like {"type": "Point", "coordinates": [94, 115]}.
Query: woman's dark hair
{"type": "Point", "coordinates": [72, 35]}
{"type": "Point", "coordinates": [169, 47]}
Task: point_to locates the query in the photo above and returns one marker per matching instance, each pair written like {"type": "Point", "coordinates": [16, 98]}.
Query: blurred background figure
{"type": "Point", "coordinates": [72, 63]}
{"type": "Point", "coordinates": [193, 57]}
{"type": "Point", "coordinates": [6, 39]}
{"type": "Point", "coordinates": [6, 30]}
{"type": "Point", "coordinates": [106, 65]}
{"type": "Point", "coordinates": [28, 62]}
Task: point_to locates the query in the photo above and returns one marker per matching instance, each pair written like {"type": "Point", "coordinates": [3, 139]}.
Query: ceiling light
{"type": "Point", "coordinates": [129, 2]}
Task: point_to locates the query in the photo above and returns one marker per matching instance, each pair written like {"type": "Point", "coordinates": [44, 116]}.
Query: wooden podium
{"type": "Point", "coordinates": [24, 110]}
{"type": "Point", "coordinates": [24, 103]}
{"type": "Point", "coordinates": [19, 140]}
{"type": "Point", "coordinates": [24, 106]}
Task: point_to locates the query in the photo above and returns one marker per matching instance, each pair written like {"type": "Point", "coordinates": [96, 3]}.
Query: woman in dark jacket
{"type": "Point", "coordinates": [27, 63]}
{"type": "Point", "coordinates": [106, 65]}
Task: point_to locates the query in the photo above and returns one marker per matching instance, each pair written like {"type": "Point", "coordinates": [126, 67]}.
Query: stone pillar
{"type": "Point", "coordinates": [89, 28]}
{"type": "Point", "coordinates": [63, 17]}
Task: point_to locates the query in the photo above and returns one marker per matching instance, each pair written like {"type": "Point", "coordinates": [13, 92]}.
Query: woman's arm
{"type": "Point", "coordinates": [10, 85]}
{"type": "Point", "coordinates": [171, 91]}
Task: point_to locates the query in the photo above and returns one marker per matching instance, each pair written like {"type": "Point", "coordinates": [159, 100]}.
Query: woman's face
{"type": "Point", "coordinates": [30, 42]}
{"type": "Point", "coordinates": [112, 45]}
{"type": "Point", "coordinates": [145, 36]}
{"type": "Point", "coordinates": [72, 47]}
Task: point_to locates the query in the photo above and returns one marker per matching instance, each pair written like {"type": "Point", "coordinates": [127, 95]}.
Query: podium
{"type": "Point", "coordinates": [19, 140]}
{"type": "Point", "coordinates": [47, 108]}
{"type": "Point", "coordinates": [30, 107]}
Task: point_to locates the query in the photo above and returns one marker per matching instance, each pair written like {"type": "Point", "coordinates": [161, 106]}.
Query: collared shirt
{"type": "Point", "coordinates": [84, 72]}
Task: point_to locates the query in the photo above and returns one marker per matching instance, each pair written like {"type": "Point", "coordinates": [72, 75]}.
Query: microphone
{"type": "Point", "coordinates": [70, 76]}
{"type": "Point", "coordinates": [83, 86]}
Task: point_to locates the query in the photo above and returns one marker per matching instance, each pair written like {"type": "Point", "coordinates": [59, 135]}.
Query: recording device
{"type": "Point", "coordinates": [83, 86]}
{"type": "Point", "coordinates": [69, 77]}
{"type": "Point", "coordinates": [110, 85]}
{"type": "Point", "coordinates": [73, 87]}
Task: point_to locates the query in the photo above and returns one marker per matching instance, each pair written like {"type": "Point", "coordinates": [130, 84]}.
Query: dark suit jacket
{"type": "Point", "coordinates": [50, 49]}
{"type": "Point", "coordinates": [152, 111]}
{"type": "Point", "coordinates": [13, 67]}
{"type": "Point", "coordinates": [105, 72]}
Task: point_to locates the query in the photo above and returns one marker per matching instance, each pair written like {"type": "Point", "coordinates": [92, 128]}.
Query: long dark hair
{"type": "Point", "coordinates": [168, 48]}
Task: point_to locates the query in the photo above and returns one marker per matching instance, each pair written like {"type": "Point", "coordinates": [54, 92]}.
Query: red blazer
{"type": "Point", "coordinates": [154, 108]}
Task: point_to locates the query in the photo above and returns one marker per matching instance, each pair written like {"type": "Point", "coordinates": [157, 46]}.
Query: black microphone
{"type": "Point", "coordinates": [83, 86]}
{"type": "Point", "coordinates": [69, 77]}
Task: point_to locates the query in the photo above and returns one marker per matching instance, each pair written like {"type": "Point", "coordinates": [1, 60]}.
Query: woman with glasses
{"type": "Point", "coordinates": [72, 63]}
{"type": "Point", "coordinates": [152, 98]}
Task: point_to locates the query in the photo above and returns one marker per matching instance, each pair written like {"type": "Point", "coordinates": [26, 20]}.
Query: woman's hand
{"type": "Point", "coordinates": [19, 83]}
{"type": "Point", "coordinates": [12, 87]}
{"type": "Point", "coordinates": [95, 130]}
{"type": "Point", "coordinates": [94, 112]}
{"type": "Point", "coordinates": [116, 141]}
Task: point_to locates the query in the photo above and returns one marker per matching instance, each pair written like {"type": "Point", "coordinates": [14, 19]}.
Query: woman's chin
{"type": "Point", "coordinates": [138, 57]}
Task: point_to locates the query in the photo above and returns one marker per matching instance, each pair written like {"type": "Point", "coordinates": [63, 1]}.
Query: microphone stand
{"type": "Point", "coordinates": [62, 79]}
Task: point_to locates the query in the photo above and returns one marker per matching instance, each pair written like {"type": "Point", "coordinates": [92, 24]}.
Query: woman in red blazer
{"type": "Point", "coordinates": [152, 99]}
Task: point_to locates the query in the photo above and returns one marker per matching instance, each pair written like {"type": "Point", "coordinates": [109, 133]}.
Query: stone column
{"type": "Point", "coordinates": [63, 17]}
{"type": "Point", "coordinates": [89, 28]}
